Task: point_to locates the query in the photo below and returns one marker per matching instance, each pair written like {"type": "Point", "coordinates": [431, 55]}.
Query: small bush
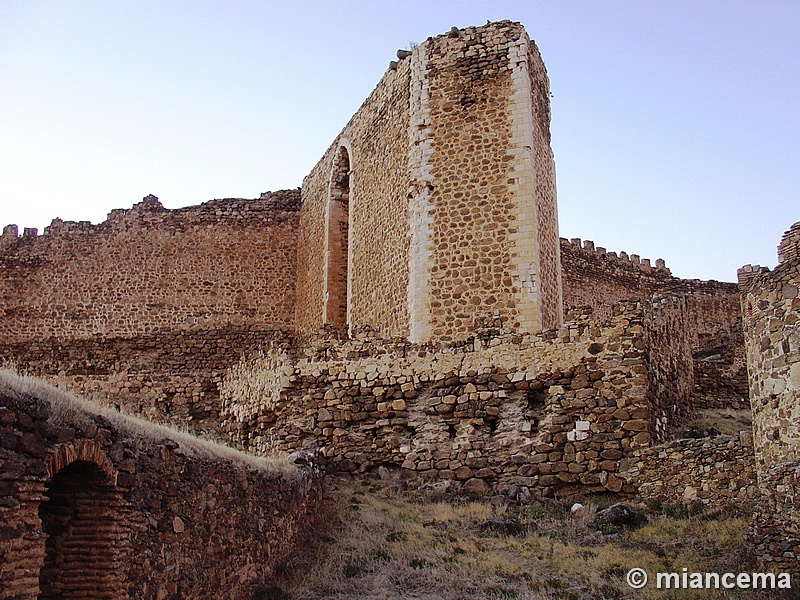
{"type": "Point", "coordinates": [351, 571]}
{"type": "Point", "coordinates": [676, 511]}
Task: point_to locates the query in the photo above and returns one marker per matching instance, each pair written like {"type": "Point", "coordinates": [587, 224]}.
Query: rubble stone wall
{"type": "Point", "coordinates": [452, 216]}
{"type": "Point", "coordinates": [595, 277]}
{"type": "Point", "coordinates": [715, 472]}
{"type": "Point", "coordinates": [150, 514]}
{"type": "Point", "coordinates": [771, 314]}
{"type": "Point", "coordinates": [771, 309]}
{"type": "Point", "coordinates": [148, 269]}
{"type": "Point", "coordinates": [774, 526]}
{"type": "Point", "coordinates": [500, 411]}
{"type": "Point", "coordinates": [172, 376]}
{"type": "Point", "coordinates": [666, 334]}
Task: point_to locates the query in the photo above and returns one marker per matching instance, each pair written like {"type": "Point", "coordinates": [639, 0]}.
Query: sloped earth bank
{"type": "Point", "coordinates": [391, 539]}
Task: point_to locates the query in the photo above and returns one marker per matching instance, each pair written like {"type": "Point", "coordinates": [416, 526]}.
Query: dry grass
{"type": "Point", "coordinates": [68, 409]}
{"type": "Point", "coordinates": [390, 545]}
{"type": "Point", "coordinates": [728, 421]}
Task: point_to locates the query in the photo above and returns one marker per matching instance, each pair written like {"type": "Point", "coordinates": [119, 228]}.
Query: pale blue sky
{"type": "Point", "coordinates": [676, 125]}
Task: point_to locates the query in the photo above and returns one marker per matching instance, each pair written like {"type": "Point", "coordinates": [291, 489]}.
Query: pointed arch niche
{"type": "Point", "coordinates": [337, 241]}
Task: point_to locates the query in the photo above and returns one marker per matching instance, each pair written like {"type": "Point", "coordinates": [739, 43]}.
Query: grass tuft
{"type": "Point", "coordinates": [67, 409]}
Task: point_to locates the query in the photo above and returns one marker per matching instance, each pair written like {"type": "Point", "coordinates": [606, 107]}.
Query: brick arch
{"type": "Point", "coordinates": [85, 451]}
{"type": "Point", "coordinates": [84, 542]}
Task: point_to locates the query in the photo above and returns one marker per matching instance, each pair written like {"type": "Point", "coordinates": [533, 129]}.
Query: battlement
{"type": "Point", "coordinates": [633, 261]}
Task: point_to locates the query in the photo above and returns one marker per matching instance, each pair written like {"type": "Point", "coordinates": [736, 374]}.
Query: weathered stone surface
{"type": "Point", "coordinates": [771, 315]}
{"type": "Point", "coordinates": [151, 512]}
{"type": "Point", "coordinates": [720, 471]}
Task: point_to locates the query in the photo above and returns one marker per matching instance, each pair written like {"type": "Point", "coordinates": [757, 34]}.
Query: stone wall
{"type": "Point", "coordinates": [771, 311]}
{"type": "Point", "coordinates": [595, 277]}
{"type": "Point", "coordinates": [552, 412]}
{"type": "Point", "coordinates": [148, 309]}
{"type": "Point", "coordinates": [598, 278]}
{"type": "Point", "coordinates": [451, 197]}
{"type": "Point", "coordinates": [708, 473]}
{"type": "Point", "coordinates": [668, 339]}
{"type": "Point", "coordinates": [149, 513]}
{"type": "Point", "coordinates": [148, 269]}
{"type": "Point", "coordinates": [771, 314]}
{"type": "Point", "coordinates": [172, 376]}
{"type": "Point", "coordinates": [774, 527]}
{"type": "Point", "coordinates": [376, 143]}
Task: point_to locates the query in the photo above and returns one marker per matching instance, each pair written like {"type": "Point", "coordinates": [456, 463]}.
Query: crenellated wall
{"type": "Point", "coordinates": [95, 504]}
{"type": "Point", "coordinates": [598, 278]}
{"type": "Point", "coordinates": [595, 277]}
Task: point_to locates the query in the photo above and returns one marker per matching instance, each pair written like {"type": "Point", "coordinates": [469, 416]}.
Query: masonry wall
{"type": "Point", "coordinates": [148, 309]}
{"type": "Point", "coordinates": [771, 314]}
{"type": "Point", "coordinates": [543, 412]}
{"type": "Point", "coordinates": [702, 473]}
{"type": "Point", "coordinates": [598, 278]}
{"type": "Point", "coordinates": [489, 196]}
{"type": "Point", "coordinates": [151, 514]}
{"type": "Point", "coordinates": [376, 140]}
{"type": "Point", "coordinates": [771, 310]}
{"type": "Point", "coordinates": [172, 376]}
{"type": "Point", "coordinates": [670, 389]}
{"type": "Point", "coordinates": [452, 215]}
{"type": "Point", "coordinates": [148, 269]}
{"type": "Point", "coordinates": [595, 277]}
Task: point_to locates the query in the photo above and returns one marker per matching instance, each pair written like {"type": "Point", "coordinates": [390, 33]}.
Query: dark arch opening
{"type": "Point", "coordinates": [338, 242]}
{"type": "Point", "coordinates": [82, 538]}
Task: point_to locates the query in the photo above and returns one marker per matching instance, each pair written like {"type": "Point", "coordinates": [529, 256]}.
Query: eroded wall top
{"type": "Point", "coordinates": [149, 269]}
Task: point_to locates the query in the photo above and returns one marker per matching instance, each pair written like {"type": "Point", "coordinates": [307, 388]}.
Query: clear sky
{"type": "Point", "coordinates": [676, 124]}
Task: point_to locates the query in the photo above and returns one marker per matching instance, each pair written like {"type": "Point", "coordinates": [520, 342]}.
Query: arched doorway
{"type": "Point", "coordinates": [338, 242]}
{"type": "Point", "coordinates": [80, 521]}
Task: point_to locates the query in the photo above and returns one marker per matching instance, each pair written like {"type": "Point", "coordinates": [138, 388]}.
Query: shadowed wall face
{"type": "Point", "coordinates": [337, 252]}
{"type": "Point", "coordinates": [97, 507]}
{"type": "Point", "coordinates": [82, 535]}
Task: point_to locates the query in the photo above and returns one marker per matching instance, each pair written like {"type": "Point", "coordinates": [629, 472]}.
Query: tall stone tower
{"type": "Point", "coordinates": [435, 208]}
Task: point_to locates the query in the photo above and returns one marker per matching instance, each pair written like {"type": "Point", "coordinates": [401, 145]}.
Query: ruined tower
{"type": "Point", "coordinates": [435, 208]}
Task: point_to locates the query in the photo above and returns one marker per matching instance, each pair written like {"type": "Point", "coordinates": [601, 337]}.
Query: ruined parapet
{"type": "Point", "coordinates": [10, 236]}
{"type": "Point", "coordinates": [549, 412]}
{"type": "Point", "coordinates": [229, 262]}
{"type": "Point", "coordinates": [747, 272]}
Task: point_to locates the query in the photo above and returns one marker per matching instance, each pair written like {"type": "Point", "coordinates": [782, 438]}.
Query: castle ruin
{"type": "Point", "coordinates": [411, 307]}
